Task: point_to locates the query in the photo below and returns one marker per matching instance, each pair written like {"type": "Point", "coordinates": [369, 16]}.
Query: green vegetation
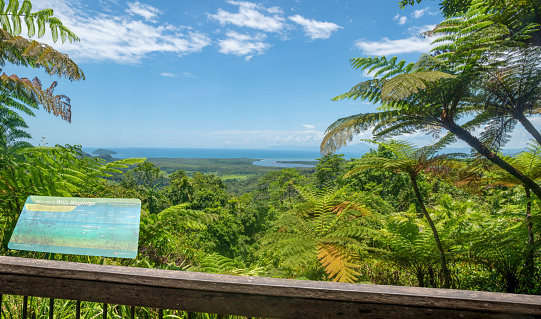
{"type": "Point", "coordinates": [234, 177]}
{"type": "Point", "coordinates": [400, 214]}
{"type": "Point", "coordinates": [313, 163]}
{"type": "Point", "coordinates": [217, 166]}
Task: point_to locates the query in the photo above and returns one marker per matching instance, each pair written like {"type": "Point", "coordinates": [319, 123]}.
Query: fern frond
{"type": "Point", "coordinates": [343, 130]}
{"type": "Point", "coordinates": [11, 17]}
{"type": "Point", "coordinates": [404, 85]}
{"type": "Point", "coordinates": [339, 262]}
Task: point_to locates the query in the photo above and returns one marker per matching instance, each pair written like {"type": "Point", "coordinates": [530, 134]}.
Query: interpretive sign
{"type": "Point", "coordinates": [106, 227]}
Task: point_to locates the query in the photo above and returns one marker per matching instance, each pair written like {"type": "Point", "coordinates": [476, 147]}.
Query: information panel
{"type": "Point", "coordinates": [107, 227]}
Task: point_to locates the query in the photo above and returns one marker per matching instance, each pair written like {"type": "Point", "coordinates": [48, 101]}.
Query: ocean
{"type": "Point", "coordinates": [266, 157]}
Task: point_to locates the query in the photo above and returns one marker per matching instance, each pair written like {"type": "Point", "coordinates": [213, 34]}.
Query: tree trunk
{"type": "Point", "coordinates": [528, 126]}
{"type": "Point", "coordinates": [445, 270]}
{"type": "Point", "coordinates": [474, 142]}
{"type": "Point", "coordinates": [529, 265]}
{"type": "Point", "coordinates": [420, 277]}
{"type": "Point", "coordinates": [511, 283]}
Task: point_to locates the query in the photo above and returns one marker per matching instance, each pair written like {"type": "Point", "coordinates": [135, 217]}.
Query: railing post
{"type": "Point", "coordinates": [78, 309]}
{"type": "Point", "coordinates": [160, 313]}
{"type": "Point", "coordinates": [104, 311]}
{"type": "Point", "coordinates": [25, 306]}
{"type": "Point", "coordinates": [51, 308]}
{"type": "Point", "coordinates": [132, 312]}
{"type": "Point", "coordinates": [191, 315]}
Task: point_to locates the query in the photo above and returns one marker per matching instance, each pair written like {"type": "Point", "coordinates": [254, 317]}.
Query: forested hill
{"type": "Point", "coordinates": [102, 151]}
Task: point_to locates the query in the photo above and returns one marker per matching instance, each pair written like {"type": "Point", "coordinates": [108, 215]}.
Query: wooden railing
{"type": "Point", "coordinates": [251, 296]}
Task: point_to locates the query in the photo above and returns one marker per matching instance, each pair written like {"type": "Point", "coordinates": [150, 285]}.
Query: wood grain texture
{"type": "Point", "coordinates": [251, 296]}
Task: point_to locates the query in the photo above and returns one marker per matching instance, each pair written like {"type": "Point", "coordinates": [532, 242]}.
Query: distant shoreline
{"type": "Point", "coordinates": [278, 156]}
{"type": "Point", "coordinates": [253, 161]}
{"type": "Point", "coordinates": [282, 155]}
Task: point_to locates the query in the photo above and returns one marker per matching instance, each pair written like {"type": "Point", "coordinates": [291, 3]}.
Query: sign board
{"type": "Point", "coordinates": [107, 227]}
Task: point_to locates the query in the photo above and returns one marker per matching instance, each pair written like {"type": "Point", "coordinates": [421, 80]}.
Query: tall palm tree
{"type": "Point", "coordinates": [412, 161]}
{"type": "Point", "coordinates": [325, 228]}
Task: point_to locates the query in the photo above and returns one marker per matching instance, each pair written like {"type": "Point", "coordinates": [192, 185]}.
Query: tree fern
{"type": "Point", "coordinates": [438, 107]}
{"type": "Point", "coordinates": [324, 227]}
{"type": "Point", "coordinates": [408, 246]}
{"type": "Point", "coordinates": [413, 161]}
{"type": "Point", "coordinates": [512, 91]}
{"type": "Point", "coordinates": [529, 162]}
{"type": "Point", "coordinates": [21, 93]}
{"type": "Point", "coordinates": [506, 253]}
{"type": "Point", "coordinates": [486, 29]}
{"type": "Point", "coordinates": [162, 236]}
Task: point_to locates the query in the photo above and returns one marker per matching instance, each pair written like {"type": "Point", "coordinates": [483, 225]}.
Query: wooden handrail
{"type": "Point", "coordinates": [251, 296]}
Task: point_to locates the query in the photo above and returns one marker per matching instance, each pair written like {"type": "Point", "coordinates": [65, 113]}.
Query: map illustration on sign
{"type": "Point", "coordinates": [107, 227]}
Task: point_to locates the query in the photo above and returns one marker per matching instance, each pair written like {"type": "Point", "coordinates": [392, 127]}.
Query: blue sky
{"type": "Point", "coordinates": [221, 74]}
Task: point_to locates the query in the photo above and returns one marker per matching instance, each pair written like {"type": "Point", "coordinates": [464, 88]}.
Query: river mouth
{"type": "Point", "coordinates": [285, 163]}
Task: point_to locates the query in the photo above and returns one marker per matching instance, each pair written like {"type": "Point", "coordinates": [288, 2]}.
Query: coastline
{"type": "Point", "coordinates": [261, 157]}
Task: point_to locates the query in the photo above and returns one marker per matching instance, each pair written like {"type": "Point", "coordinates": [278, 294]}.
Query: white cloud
{"type": "Point", "coordinates": [315, 29]}
{"type": "Point", "coordinates": [243, 44]}
{"type": "Point", "coordinates": [408, 45]}
{"type": "Point", "coordinates": [266, 137]}
{"type": "Point", "coordinates": [174, 75]}
{"type": "Point", "coordinates": [274, 10]}
{"type": "Point", "coordinates": [121, 39]}
{"type": "Point", "coordinates": [297, 138]}
{"type": "Point", "coordinates": [250, 15]}
{"type": "Point", "coordinates": [416, 30]}
{"type": "Point", "coordinates": [146, 11]}
{"type": "Point", "coordinates": [401, 19]}
{"type": "Point", "coordinates": [388, 47]}
{"type": "Point", "coordinates": [419, 13]}
{"type": "Point", "coordinates": [308, 126]}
